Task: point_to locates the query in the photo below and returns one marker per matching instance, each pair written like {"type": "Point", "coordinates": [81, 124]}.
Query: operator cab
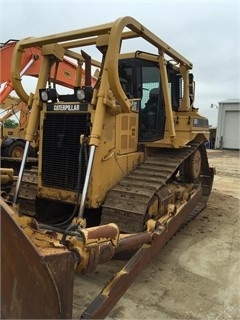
{"type": "Point", "coordinates": [140, 79]}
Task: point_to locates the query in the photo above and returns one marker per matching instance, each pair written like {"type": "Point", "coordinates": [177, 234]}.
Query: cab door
{"type": "Point", "coordinates": [141, 79]}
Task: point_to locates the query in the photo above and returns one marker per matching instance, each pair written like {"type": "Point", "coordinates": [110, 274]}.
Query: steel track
{"type": "Point", "coordinates": [127, 202]}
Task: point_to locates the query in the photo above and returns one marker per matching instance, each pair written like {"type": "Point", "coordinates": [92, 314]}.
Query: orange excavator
{"type": "Point", "coordinates": [65, 74]}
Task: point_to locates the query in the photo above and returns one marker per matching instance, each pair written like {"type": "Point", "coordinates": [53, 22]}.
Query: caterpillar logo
{"type": "Point", "coordinates": [66, 107]}
{"type": "Point", "coordinates": [67, 74]}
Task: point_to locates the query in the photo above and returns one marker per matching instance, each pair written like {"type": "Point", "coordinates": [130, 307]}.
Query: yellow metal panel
{"type": "Point", "coordinates": [127, 132]}
{"type": "Point", "coordinates": [101, 181]}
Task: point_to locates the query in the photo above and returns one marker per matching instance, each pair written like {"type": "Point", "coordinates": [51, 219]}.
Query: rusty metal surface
{"type": "Point", "coordinates": [109, 231]}
{"type": "Point", "coordinates": [27, 192]}
{"type": "Point", "coordinates": [132, 242]}
{"type": "Point", "coordinates": [112, 292]}
{"type": "Point", "coordinates": [33, 286]}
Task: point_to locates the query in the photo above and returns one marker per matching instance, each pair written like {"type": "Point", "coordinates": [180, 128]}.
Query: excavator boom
{"type": "Point", "coordinates": [30, 65]}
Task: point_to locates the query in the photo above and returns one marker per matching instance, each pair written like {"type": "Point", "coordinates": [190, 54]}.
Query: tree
{"type": "Point", "coordinates": [9, 123]}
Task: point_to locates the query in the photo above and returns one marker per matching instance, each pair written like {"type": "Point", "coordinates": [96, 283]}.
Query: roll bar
{"type": "Point", "coordinates": [114, 33]}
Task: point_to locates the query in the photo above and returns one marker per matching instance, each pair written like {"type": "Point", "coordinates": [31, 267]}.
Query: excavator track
{"type": "Point", "coordinates": [127, 202]}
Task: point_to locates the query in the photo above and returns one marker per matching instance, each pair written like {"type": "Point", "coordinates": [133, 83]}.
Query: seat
{"type": "Point", "coordinates": [152, 102]}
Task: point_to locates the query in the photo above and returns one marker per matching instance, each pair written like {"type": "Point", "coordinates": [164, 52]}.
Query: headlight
{"type": "Point", "coordinates": [49, 94]}
{"type": "Point", "coordinates": [80, 94]}
{"type": "Point", "coordinates": [43, 95]}
{"type": "Point", "coordinates": [83, 93]}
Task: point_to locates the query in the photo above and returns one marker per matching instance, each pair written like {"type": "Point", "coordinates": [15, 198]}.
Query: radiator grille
{"type": "Point", "coordinates": [61, 137]}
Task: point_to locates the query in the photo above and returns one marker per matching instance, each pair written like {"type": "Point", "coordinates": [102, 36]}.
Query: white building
{"type": "Point", "coordinates": [228, 125]}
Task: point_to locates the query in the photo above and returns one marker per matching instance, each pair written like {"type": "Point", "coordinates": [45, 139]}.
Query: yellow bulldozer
{"type": "Point", "coordinates": [122, 166]}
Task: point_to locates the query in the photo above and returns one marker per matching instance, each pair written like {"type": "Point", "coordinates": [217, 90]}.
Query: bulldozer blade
{"type": "Point", "coordinates": [34, 284]}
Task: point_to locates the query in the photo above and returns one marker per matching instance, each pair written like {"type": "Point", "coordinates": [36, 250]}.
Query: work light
{"type": "Point", "coordinates": [79, 93]}
{"type": "Point", "coordinates": [83, 93]}
{"type": "Point", "coordinates": [49, 94]}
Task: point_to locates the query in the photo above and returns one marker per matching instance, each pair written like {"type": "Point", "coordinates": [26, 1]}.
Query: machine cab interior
{"type": "Point", "coordinates": [141, 79]}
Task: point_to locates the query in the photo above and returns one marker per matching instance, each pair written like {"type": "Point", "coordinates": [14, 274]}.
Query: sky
{"type": "Point", "coordinates": [207, 33]}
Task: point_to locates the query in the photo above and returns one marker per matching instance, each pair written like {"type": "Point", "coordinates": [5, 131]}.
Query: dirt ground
{"type": "Point", "coordinates": [196, 275]}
